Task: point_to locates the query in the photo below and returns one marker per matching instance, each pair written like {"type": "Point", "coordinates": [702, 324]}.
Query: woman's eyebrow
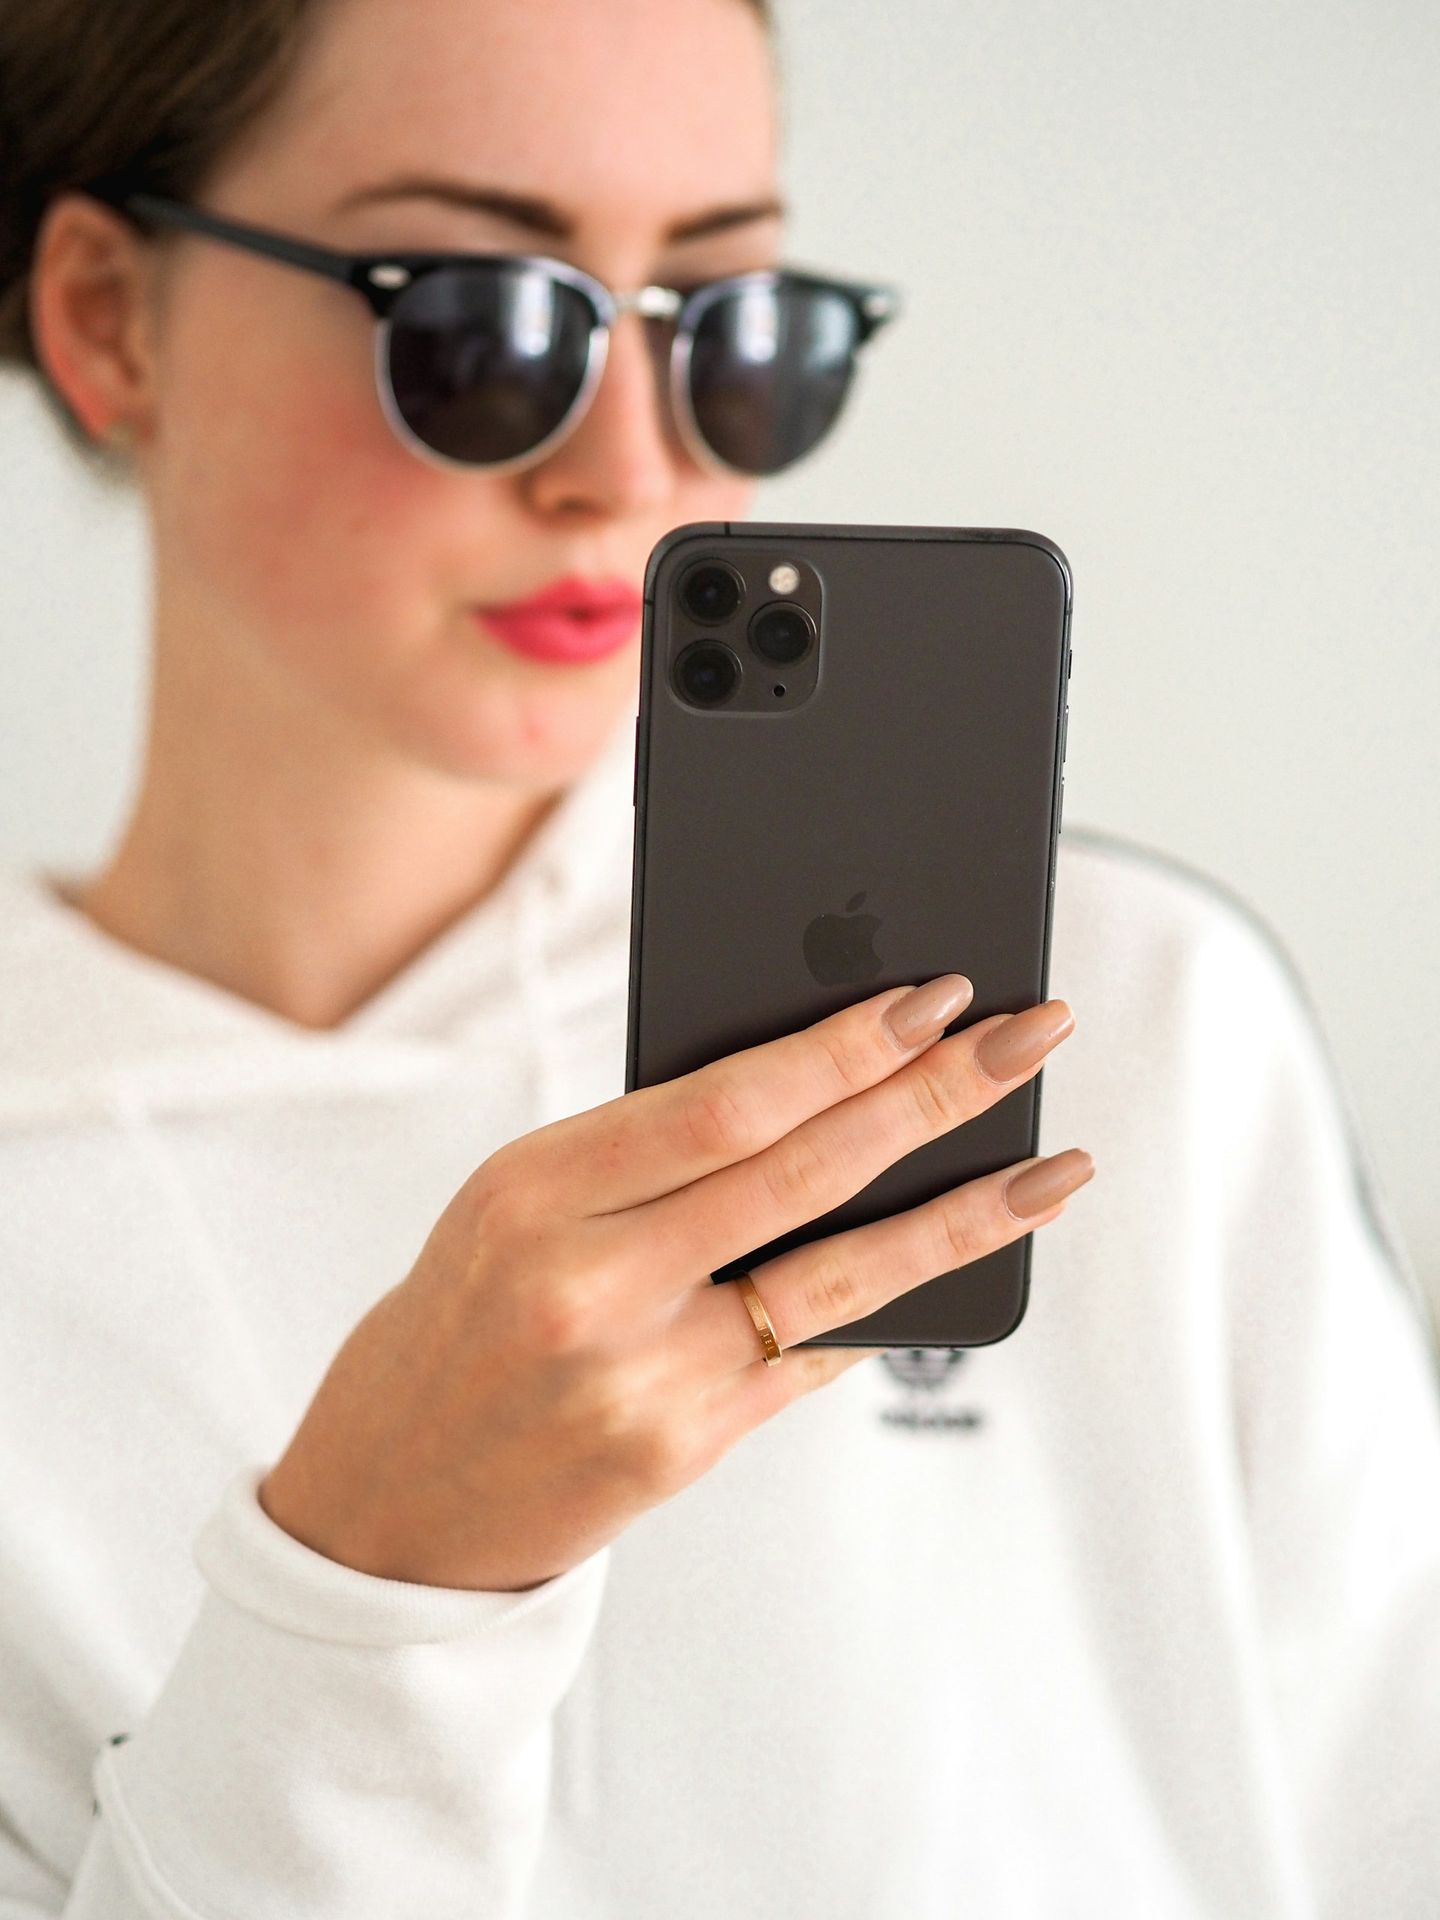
{"type": "Point", "coordinates": [527, 210]}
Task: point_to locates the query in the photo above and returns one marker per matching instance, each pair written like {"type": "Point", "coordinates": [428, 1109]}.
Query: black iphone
{"type": "Point", "coordinates": [848, 776]}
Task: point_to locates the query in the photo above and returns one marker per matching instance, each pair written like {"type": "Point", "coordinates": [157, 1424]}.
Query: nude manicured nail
{"type": "Point", "coordinates": [1047, 1182]}
{"type": "Point", "coordinates": [1017, 1043]}
{"type": "Point", "coordinates": [926, 1010]}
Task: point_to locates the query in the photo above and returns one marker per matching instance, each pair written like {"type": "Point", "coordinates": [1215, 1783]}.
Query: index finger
{"type": "Point", "coordinates": [656, 1139]}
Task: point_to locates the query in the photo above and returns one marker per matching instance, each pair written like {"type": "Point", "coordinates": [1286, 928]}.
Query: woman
{"type": "Point", "coordinates": [333, 1251]}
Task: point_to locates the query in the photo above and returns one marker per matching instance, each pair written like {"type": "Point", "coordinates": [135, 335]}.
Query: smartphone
{"type": "Point", "coordinates": [848, 776]}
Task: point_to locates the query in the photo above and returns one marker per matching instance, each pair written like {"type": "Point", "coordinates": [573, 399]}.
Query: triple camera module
{"type": "Point", "coordinates": [760, 650]}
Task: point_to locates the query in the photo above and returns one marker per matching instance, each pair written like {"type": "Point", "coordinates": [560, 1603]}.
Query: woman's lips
{"type": "Point", "coordinates": [570, 620]}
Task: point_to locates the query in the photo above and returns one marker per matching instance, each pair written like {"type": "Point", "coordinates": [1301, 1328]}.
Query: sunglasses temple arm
{"type": "Point", "coordinates": [354, 271]}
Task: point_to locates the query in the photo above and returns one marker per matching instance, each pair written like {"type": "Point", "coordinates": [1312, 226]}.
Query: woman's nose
{"type": "Point", "coordinates": [623, 456]}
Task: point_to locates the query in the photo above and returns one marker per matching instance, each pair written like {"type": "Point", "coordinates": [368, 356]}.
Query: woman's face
{"type": "Point", "coordinates": [294, 532]}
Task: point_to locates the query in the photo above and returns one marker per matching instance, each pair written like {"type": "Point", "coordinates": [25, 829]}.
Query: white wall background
{"type": "Point", "coordinates": [1174, 297]}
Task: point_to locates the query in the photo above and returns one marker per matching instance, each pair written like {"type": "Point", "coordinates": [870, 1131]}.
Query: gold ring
{"type": "Point", "coordinates": [761, 1318]}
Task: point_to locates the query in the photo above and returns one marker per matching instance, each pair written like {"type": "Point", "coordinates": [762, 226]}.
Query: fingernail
{"type": "Point", "coordinates": [1017, 1043]}
{"type": "Point", "coordinates": [926, 1011]}
{"type": "Point", "coordinates": [1045, 1182]}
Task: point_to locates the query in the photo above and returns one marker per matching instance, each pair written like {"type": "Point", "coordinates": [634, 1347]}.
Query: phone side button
{"type": "Point", "coordinates": [635, 776]}
{"type": "Point", "coordinates": [1060, 809]}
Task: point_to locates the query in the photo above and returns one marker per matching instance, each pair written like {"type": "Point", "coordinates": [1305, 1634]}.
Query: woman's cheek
{"type": "Point", "coordinates": [313, 534]}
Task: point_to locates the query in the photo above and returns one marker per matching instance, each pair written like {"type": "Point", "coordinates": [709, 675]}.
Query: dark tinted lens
{"type": "Point", "coordinates": [769, 370]}
{"type": "Point", "coordinates": [485, 362]}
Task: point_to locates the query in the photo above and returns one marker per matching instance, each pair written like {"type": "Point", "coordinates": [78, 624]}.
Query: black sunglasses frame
{"type": "Point", "coordinates": [381, 278]}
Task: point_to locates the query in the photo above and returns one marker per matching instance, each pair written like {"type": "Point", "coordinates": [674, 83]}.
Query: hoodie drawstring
{"type": "Point", "coordinates": [532, 983]}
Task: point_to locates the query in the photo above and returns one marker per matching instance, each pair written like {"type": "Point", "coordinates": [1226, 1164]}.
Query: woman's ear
{"type": "Point", "coordinates": [90, 312]}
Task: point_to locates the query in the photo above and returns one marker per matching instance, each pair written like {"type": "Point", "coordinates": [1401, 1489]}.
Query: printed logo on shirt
{"type": "Point", "coordinates": [928, 1377]}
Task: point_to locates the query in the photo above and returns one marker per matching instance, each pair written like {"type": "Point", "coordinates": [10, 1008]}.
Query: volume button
{"type": "Point", "coordinates": [635, 776]}
{"type": "Point", "coordinates": [1064, 731]}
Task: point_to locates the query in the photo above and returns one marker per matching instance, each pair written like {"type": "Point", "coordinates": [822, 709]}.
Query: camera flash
{"type": "Point", "coordinates": [784, 578]}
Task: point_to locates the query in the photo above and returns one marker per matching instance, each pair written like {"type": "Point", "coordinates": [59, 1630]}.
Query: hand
{"type": "Point", "coordinates": [558, 1359]}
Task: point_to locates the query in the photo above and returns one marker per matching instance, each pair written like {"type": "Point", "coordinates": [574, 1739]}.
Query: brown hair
{"type": "Point", "coordinates": [126, 94]}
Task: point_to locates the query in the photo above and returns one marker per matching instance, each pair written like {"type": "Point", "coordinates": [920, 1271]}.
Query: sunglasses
{"type": "Point", "coordinates": [491, 359]}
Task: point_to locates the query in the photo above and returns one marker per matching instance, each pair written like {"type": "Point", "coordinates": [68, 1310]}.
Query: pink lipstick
{"type": "Point", "coordinates": [567, 622]}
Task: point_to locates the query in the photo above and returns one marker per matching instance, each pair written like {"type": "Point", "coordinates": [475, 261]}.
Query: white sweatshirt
{"type": "Point", "coordinates": [1134, 1613]}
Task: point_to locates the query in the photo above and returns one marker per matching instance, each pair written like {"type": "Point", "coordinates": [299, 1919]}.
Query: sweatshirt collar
{"type": "Point", "coordinates": [81, 1008]}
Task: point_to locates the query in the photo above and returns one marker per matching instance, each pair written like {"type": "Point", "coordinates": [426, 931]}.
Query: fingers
{"type": "Point", "coordinates": [649, 1142]}
{"type": "Point", "coordinates": [828, 1283]}
{"type": "Point", "coordinates": [827, 1159]}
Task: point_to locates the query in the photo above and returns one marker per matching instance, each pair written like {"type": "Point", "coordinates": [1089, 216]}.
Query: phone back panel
{"type": "Point", "coordinates": [924, 775]}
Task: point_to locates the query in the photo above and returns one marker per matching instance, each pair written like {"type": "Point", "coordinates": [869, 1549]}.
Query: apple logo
{"type": "Point", "coordinates": [839, 947]}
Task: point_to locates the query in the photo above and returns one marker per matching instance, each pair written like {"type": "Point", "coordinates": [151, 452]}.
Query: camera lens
{"type": "Point", "coordinates": [781, 633]}
{"type": "Point", "coordinates": [707, 673]}
{"type": "Point", "coordinates": [711, 591]}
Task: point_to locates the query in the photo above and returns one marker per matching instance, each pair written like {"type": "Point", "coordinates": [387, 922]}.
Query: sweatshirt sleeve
{"type": "Point", "coordinates": [1338, 1410]}
{"type": "Point", "coordinates": [330, 1743]}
